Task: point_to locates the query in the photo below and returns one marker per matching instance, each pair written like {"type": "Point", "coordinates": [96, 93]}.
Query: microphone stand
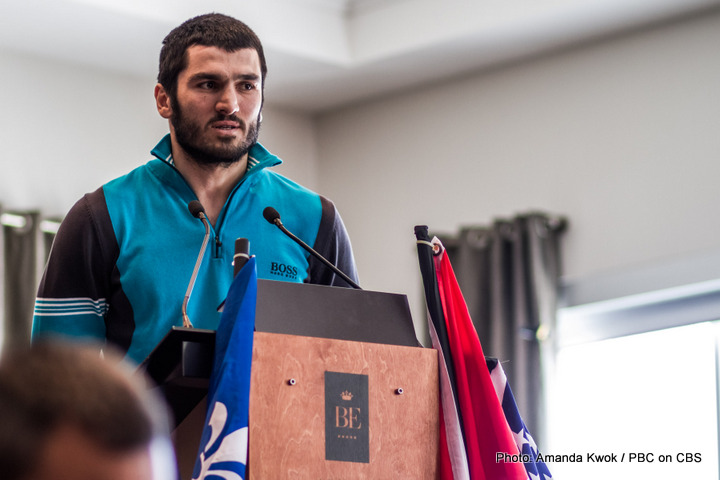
{"type": "Point", "coordinates": [315, 254]}
{"type": "Point", "coordinates": [198, 262]}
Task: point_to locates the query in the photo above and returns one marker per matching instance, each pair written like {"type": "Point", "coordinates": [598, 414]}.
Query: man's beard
{"type": "Point", "coordinates": [189, 136]}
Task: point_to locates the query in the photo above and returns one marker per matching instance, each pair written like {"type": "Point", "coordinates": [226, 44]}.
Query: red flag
{"type": "Point", "coordinates": [487, 435]}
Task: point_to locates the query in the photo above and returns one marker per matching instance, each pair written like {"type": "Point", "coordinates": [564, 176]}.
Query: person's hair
{"type": "Point", "coordinates": [210, 30]}
{"type": "Point", "coordinates": [51, 384]}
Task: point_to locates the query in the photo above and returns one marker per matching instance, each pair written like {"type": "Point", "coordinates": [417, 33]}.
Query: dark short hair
{"type": "Point", "coordinates": [210, 30]}
{"type": "Point", "coordinates": [51, 384]}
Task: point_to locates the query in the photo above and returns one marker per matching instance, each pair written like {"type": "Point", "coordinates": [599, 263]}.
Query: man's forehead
{"type": "Point", "coordinates": [244, 61]}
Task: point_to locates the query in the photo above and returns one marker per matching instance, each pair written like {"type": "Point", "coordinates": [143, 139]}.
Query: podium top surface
{"type": "Point", "coordinates": [334, 312]}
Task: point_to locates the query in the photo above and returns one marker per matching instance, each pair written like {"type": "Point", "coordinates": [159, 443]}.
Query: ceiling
{"type": "Point", "coordinates": [324, 54]}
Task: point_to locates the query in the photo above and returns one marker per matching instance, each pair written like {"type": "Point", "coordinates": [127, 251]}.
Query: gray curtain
{"type": "Point", "coordinates": [509, 274]}
{"type": "Point", "coordinates": [19, 270]}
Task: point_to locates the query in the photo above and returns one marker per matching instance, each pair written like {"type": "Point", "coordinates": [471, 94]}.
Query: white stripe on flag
{"type": "Point", "coordinates": [453, 434]}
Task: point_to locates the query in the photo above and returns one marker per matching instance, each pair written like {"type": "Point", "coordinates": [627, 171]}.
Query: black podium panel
{"type": "Point", "coordinates": [334, 312]}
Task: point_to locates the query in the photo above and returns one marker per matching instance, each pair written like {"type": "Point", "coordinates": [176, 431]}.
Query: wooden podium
{"type": "Point", "coordinates": [320, 407]}
{"type": "Point", "coordinates": [298, 421]}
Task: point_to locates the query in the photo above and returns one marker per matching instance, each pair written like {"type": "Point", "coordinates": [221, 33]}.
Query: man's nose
{"type": "Point", "coordinates": [228, 103]}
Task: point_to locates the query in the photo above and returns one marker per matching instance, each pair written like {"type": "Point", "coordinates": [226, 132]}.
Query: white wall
{"type": "Point", "coordinates": [292, 137]}
{"type": "Point", "coordinates": [67, 129]}
{"type": "Point", "coordinates": [622, 137]}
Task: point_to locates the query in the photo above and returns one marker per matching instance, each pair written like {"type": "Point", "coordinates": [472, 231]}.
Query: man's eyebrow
{"type": "Point", "coordinates": [252, 77]}
{"type": "Point", "coordinates": [213, 76]}
{"type": "Point", "coordinates": [204, 76]}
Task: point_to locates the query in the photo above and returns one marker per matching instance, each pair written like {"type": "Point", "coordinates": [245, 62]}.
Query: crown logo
{"type": "Point", "coordinates": [346, 395]}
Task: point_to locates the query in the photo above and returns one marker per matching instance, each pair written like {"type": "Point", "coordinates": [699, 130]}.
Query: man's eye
{"type": "Point", "coordinates": [209, 85]}
{"type": "Point", "coordinates": [247, 86]}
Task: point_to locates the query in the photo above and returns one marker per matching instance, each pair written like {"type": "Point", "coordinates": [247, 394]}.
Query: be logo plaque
{"type": "Point", "coordinates": [347, 436]}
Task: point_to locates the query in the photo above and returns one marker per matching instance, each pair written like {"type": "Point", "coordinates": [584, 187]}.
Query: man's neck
{"type": "Point", "coordinates": [212, 184]}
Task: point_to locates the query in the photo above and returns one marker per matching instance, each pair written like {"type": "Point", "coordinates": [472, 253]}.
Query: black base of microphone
{"type": "Point", "coordinates": [180, 366]}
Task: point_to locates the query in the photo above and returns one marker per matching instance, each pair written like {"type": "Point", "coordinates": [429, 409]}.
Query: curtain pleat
{"type": "Point", "coordinates": [509, 274]}
{"type": "Point", "coordinates": [20, 267]}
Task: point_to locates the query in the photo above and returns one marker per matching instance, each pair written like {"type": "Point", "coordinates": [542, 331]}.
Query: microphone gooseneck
{"type": "Point", "coordinates": [197, 211]}
{"type": "Point", "coordinates": [273, 217]}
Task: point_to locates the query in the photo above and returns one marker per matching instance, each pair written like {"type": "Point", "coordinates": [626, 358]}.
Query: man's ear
{"type": "Point", "coordinates": [162, 101]}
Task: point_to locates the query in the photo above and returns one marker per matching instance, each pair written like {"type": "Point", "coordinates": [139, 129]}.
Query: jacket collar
{"type": "Point", "coordinates": [258, 157]}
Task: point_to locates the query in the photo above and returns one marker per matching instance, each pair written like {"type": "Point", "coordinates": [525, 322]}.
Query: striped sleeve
{"type": "Point", "coordinates": [80, 294]}
{"type": "Point", "coordinates": [49, 307]}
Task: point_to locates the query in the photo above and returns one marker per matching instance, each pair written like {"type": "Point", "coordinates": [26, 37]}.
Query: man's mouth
{"type": "Point", "coordinates": [225, 126]}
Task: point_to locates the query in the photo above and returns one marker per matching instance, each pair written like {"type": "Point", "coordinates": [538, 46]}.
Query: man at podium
{"type": "Point", "coordinates": [123, 257]}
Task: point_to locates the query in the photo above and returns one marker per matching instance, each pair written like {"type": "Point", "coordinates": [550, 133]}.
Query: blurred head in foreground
{"type": "Point", "coordinates": [67, 413]}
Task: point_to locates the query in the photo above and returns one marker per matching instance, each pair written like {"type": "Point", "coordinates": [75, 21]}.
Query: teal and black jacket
{"type": "Point", "coordinates": [123, 256]}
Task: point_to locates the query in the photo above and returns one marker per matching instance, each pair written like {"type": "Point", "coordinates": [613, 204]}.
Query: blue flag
{"type": "Point", "coordinates": [224, 442]}
{"type": "Point", "coordinates": [536, 469]}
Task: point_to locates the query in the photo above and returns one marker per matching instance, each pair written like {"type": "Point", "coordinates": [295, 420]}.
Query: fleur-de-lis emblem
{"type": "Point", "coordinates": [233, 446]}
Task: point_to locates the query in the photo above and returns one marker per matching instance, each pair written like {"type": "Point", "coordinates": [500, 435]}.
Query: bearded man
{"type": "Point", "coordinates": [122, 258]}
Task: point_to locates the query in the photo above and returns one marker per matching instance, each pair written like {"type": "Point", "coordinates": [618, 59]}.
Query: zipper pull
{"type": "Point", "coordinates": [218, 244]}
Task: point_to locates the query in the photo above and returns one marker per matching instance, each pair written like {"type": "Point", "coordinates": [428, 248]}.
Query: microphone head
{"type": "Point", "coordinates": [271, 215]}
{"type": "Point", "coordinates": [196, 208]}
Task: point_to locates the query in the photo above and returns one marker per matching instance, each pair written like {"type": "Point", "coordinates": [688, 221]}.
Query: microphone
{"type": "Point", "coordinates": [272, 216]}
{"type": "Point", "coordinates": [240, 258]}
{"type": "Point", "coordinates": [197, 211]}
{"type": "Point", "coordinates": [242, 254]}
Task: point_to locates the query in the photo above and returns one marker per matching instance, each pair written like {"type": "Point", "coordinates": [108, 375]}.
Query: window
{"type": "Point", "coordinates": [635, 393]}
{"type": "Point", "coordinates": [650, 394]}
